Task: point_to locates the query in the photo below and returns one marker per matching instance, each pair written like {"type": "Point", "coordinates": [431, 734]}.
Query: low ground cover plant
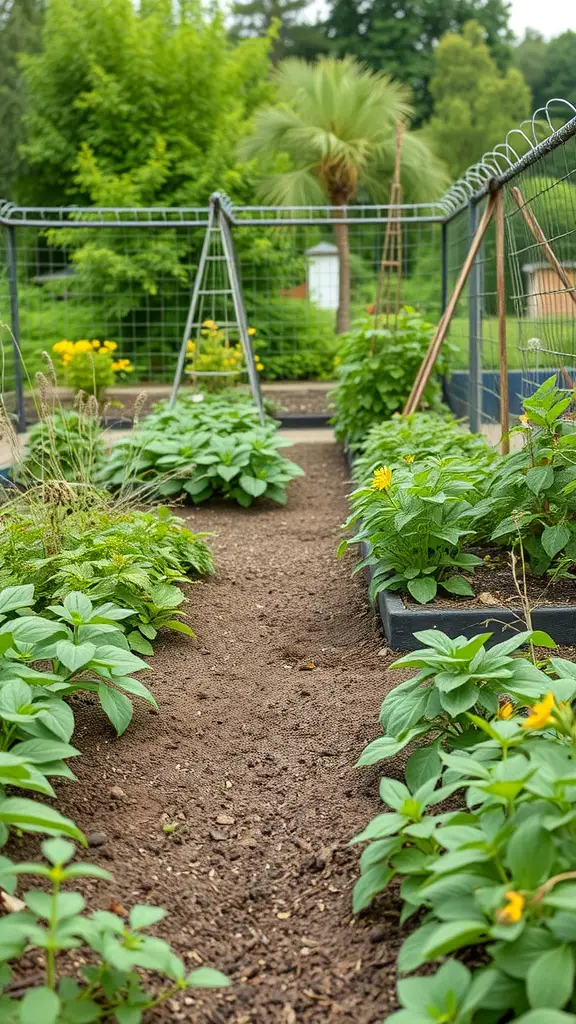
{"type": "Point", "coordinates": [199, 450]}
{"type": "Point", "coordinates": [494, 873]}
{"type": "Point", "coordinates": [116, 983]}
{"type": "Point", "coordinates": [378, 360]}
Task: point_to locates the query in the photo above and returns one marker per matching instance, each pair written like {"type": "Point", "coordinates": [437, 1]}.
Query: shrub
{"type": "Point", "coordinates": [378, 363]}
{"type": "Point", "coordinates": [296, 340]}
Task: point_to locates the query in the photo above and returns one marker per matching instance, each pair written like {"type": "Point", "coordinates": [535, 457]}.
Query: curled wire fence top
{"type": "Point", "coordinates": [521, 147]}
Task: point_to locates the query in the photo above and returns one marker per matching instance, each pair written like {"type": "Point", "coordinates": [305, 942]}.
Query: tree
{"type": "Point", "coordinates": [279, 18]}
{"type": "Point", "coordinates": [129, 100]}
{"type": "Point", "coordinates": [335, 123]}
{"type": "Point", "coordinates": [400, 36]}
{"type": "Point", "coordinates": [531, 58]}
{"type": "Point", "coordinates": [20, 22]}
{"type": "Point", "coordinates": [474, 105]}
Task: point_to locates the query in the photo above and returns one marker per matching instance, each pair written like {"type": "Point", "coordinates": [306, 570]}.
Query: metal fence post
{"type": "Point", "coordinates": [474, 332]}
{"type": "Point", "coordinates": [444, 268]}
{"type": "Point", "coordinates": [15, 324]}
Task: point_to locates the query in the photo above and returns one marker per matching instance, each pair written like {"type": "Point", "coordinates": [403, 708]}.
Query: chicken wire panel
{"type": "Point", "coordinates": [8, 354]}
{"type": "Point", "coordinates": [130, 285]}
{"type": "Point", "coordinates": [541, 244]}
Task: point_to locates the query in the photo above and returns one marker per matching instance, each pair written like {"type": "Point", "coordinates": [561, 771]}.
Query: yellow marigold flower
{"type": "Point", "coordinates": [540, 714]}
{"type": "Point", "coordinates": [95, 343]}
{"type": "Point", "coordinates": [251, 331]}
{"type": "Point", "coordinates": [82, 347]}
{"type": "Point", "coordinates": [409, 459]}
{"type": "Point", "coordinates": [382, 478]}
{"type": "Point", "coordinates": [110, 346]}
{"type": "Point", "coordinates": [211, 324]}
{"type": "Point", "coordinates": [511, 913]}
{"type": "Point", "coordinates": [506, 710]}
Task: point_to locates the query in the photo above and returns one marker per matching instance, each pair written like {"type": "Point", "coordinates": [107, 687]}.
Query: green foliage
{"type": "Point", "coordinates": [417, 437]}
{"type": "Point", "coordinates": [279, 18]}
{"type": "Point", "coordinates": [295, 340]}
{"type": "Point", "coordinates": [20, 23]}
{"type": "Point", "coordinates": [454, 677]}
{"type": "Point", "coordinates": [378, 363]}
{"type": "Point", "coordinates": [123, 100]}
{"type": "Point", "coordinates": [402, 37]}
{"type": "Point", "coordinates": [548, 66]}
{"type": "Point", "coordinates": [65, 443]}
{"type": "Point", "coordinates": [113, 983]}
{"type": "Point", "coordinates": [474, 104]}
{"type": "Point", "coordinates": [414, 523]}
{"type": "Point", "coordinates": [496, 873]}
{"type": "Point", "coordinates": [199, 450]}
{"type": "Point", "coordinates": [533, 492]}
{"type": "Point", "coordinates": [110, 552]}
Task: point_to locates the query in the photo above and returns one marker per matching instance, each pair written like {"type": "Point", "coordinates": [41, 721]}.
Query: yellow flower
{"type": "Point", "coordinates": [524, 419]}
{"type": "Point", "coordinates": [82, 347]}
{"type": "Point", "coordinates": [211, 324]}
{"type": "Point", "coordinates": [95, 344]}
{"type": "Point", "coordinates": [122, 364]}
{"type": "Point", "coordinates": [506, 710]}
{"type": "Point", "coordinates": [251, 331]}
{"type": "Point", "coordinates": [409, 459]}
{"type": "Point", "coordinates": [110, 346]}
{"type": "Point", "coordinates": [540, 714]}
{"type": "Point", "coordinates": [259, 366]}
{"type": "Point", "coordinates": [382, 478]}
{"type": "Point", "coordinates": [511, 913]}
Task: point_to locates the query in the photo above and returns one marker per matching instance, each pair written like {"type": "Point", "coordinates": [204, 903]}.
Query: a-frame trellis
{"type": "Point", "coordinates": [217, 296]}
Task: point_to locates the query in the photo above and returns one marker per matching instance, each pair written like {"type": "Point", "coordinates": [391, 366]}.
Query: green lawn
{"type": "Point", "coordinates": [554, 343]}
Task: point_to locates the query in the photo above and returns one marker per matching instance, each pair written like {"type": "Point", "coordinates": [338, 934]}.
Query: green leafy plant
{"type": "Point", "coordinates": [418, 437]}
{"type": "Point", "coordinates": [378, 363]}
{"type": "Point", "coordinates": [202, 456]}
{"type": "Point", "coordinates": [533, 492]}
{"type": "Point", "coordinates": [413, 524]}
{"type": "Point", "coordinates": [86, 649]}
{"type": "Point", "coordinates": [497, 872]}
{"type": "Point", "coordinates": [114, 985]}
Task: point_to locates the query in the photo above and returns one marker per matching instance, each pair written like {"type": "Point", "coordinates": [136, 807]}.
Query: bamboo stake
{"type": "Point", "coordinates": [427, 365]}
{"type": "Point", "coordinates": [540, 237]}
{"type": "Point", "coordinates": [501, 306]}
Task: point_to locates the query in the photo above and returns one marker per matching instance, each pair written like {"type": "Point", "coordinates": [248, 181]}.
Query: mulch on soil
{"type": "Point", "coordinates": [251, 756]}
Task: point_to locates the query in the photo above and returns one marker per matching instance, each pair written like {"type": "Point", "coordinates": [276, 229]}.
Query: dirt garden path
{"type": "Point", "coordinates": [251, 757]}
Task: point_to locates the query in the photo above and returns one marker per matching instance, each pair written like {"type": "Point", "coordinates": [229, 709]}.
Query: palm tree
{"type": "Point", "coordinates": [335, 120]}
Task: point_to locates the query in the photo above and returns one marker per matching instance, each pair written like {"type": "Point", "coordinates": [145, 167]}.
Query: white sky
{"type": "Point", "coordinates": [550, 17]}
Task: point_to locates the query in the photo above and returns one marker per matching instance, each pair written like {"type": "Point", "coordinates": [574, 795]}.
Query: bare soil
{"type": "Point", "coordinates": [493, 585]}
{"type": "Point", "coordinates": [251, 757]}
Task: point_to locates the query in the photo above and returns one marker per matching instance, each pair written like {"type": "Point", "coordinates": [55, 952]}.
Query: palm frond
{"type": "Point", "coordinates": [293, 188]}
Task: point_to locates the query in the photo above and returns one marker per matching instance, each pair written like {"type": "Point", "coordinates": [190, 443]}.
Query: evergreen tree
{"type": "Point", "coordinates": [400, 36]}
{"type": "Point", "coordinates": [281, 19]}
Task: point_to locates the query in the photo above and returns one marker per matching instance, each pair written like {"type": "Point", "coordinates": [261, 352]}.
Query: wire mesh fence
{"type": "Point", "coordinates": [127, 275]}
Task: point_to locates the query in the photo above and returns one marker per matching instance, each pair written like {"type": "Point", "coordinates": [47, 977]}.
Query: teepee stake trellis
{"type": "Point", "coordinates": [217, 286]}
